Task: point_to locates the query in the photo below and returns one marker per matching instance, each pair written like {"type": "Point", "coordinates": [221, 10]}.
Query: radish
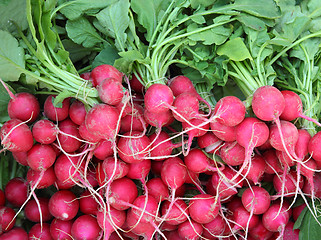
{"type": "Point", "coordinates": [257, 169]}
{"type": "Point", "coordinates": [61, 230]}
{"type": "Point", "coordinates": [133, 147]}
{"type": "Point", "coordinates": [48, 178]}
{"type": "Point", "coordinates": [77, 112]}
{"type": "Point", "coordinates": [87, 203]}
{"type": "Point", "coordinates": [32, 212]}
{"type": "Point", "coordinates": [41, 157]}
{"type": "Point", "coordinates": [98, 124]}
{"type": "Point", "coordinates": [135, 84]}
{"type": "Point", "coordinates": [158, 120]}
{"type": "Point", "coordinates": [157, 189]}
{"type": "Point", "coordinates": [63, 205]}
{"type": "Point", "coordinates": [101, 72]}
{"type": "Point", "coordinates": [177, 214]}
{"type": "Point", "coordinates": [44, 131]}
{"type": "Point", "coordinates": [256, 199]}
{"type": "Point", "coordinates": [87, 135]}
{"type": "Point", "coordinates": [273, 164]}
{"type": "Point", "coordinates": [16, 136]}
{"type": "Point", "coordinates": [68, 138]}
{"type": "Point", "coordinates": [56, 113]}
{"type": "Point", "coordinates": [2, 198]}
{"type": "Point", "coordinates": [110, 220]}
{"type": "Point", "coordinates": [20, 157]}
{"type": "Point", "coordinates": [197, 162]}
{"type": "Point", "coordinates": [134, 121]}
{"type": "Point", "coordinates": [144, 209]}
{"type": "Point", "coordinates": [314, 147]}
{"type": "Point", "coordinates": [145, 230]}
{"type": "Point", "coordinates": [185, 107]}
{"type": "Point", "coordinates": [103, 149]}
{"type": "Point", "coordinates": [85, 227]}
{"type": "Point", "coordinates": [114, 168]}
{"type": "Point", "coordinates": [275, 220]}
{"type": "Point", "coordinates": [288, 183]}
{"type": "Point", "coordinates": [16, 233]}
{"type": "Point", "coordinates": [158, 98]}
{"type": "Point", "coordinates": [203, 208]}
{"type": "Point", "coordinates": [232, 153]}
{"type": "Point", "coordinates": [260, 232]}
{"type": "Point", "coordinates": [216, 227]}
{"type": "Point", "coordinates": [294, 108]}
{"type": "Point", "coordinates": [139, 170]}
{"type": "Point", "coordinates": [110, 91]}
{"type": "Point", "coordinates": [224, 133]}
{"type": "Point", "coordinates": [243, 219]}
{"type": "Point", "coordinates": [230, 111]}
{"type": "Point", "coordinates": [7, 220]}
{"type": "Point", "coordinates": [122, 191]}
{"type": "Point", "coordinates": [40, 231]}
{"type": "Point", "coordinates": [190, 230]}
{"type": "Point", "coordinates": [209, 141]}
{"type": "Point", "coordinates": [16, 191]}
{"type": "Point", "coordinates": [296, 211]}
{"type": "Point", "coordinates": [290, 233]}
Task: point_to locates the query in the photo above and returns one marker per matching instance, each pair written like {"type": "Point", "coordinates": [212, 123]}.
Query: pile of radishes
{"type": "Point", "coordinates": [158, 164]}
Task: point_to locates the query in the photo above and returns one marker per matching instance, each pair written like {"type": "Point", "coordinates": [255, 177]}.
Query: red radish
{"type": "Point", "coordinates": [145, 209]}
{"type": "Point", "coordinates": [243, 219]}
{"type": "Point", "coordinates": [275, 220]}
{"type": "Point", "coordinates": [7, 220]}
{"type": "Point", "coordinates": [158, 98]}
{"type": "Point", "coordinates": [110, 220]}
{"type": "Point", "coordinates": [234, 203]}
{"type": "Point", "coordinates": [16, 191]}
{"type": "Point", "coordinates": [177, 214]}
{"type": "Point", "coordinates": [77, 112]}
{"type": "Point", "coordinates": [61, 230]}
{"type": "Point", "coordinates": [114, 168]}
{"type": "Point", "coordinates": [195, 128]}
{"type": "Point", "coordinates": [110, 91]}
{"type": "Point", "coordinates": [146, 230]}
{"type": "Point", "coordinates": [134, 121]}
{"type": "Point", "coordinates": [256, 199]}
{"type": "Point", "coordinates": [32, 213]}
{"type": "Point", "coordinates": [190, 230]}
{"type": "Point", "coordinates": [162, 146]}
{"type": "Point", "coordinates": [16, 136]}
{"type": "Point", "coordinates": [156, 167]}
{"type": "Point", "coordinates": [157, 189]}
{"type": "Point", "coordinates": [224, 133]}
{"type": "Point", "coordinates": [101, 72]}
{"type": "Point", "coordinates": [68, 137]}
{"type": "Point", "coordinates": [216, 227]}
{"type": "Point", "coordinates": [56, 113]}
{"type": "Point", "coordinates": [257, 169]}
{"type": "Point", "coordinates": [23, 106]}
{"type": "Point", "coordinates": [103, 149]}
{"type": "Point", "coordinates": [41, 157]}
{"type": "Point", "coordinates": [197, 161]}
{"type": "Point", "coordinates": [87, 135]}
{"type": "Point", "coordinates": [293, 107]}
{"type": "Point", "coordinates": [317, 186]}
{"type": "Point", "coordinates": [209, 141]}
{"type": "Point", "coordinates": [259, 232]}
{"type": "Point", "coordinates": [285, 161]}
{"type": "Point", "coordinates": [2, 198]}
{"type": "Point", "coordinates": [48, 178]}
{"type": "Point", "coordinates": [290, 233]}
{"type": "Point", "coordinates": [87, 203]}
{"type": "Point", "coordinates": [158, 120]}
{"type": "Point", "coordinates": [314, 147]}
{"type": "Point", "coordinates": [16, 233]}
{"type": "Point", "coordinates": [174, 172]}
{"type": "Point", "coordinates": [20, 157]}
{"type": "Point", "coordinates": [230, 111]}
{"type": "Point", "coordinates": [98, 124]}
{"type": "Point", "coordinates": [302, 144]}
{"type": "Point", "coordinates": [40, 231]}
{"type": "Point", "coordinates": [85, 75]}
{"type": "Point", "coordinates": [172, 235]}
{"type": "Point", "coordinates": [85, 227]}
{"type": "Point", "coordinates": [122, 191]}
{"type": "Point", "coordinates": [296, 211]}
{"type": "Point", "coordinates": [273, 164]}
{"type": "Point", "coordinates": [64, 205]}
{"type": "Point", "coordinates": [44, 131]}
{"type": "Point", "coordinates": [139, 170]}
{"type": "Point", "coordinates": [289, 183]}
{"type": "Point", "coordinates": [203, 208]}
{"type": "Point", "coordinates": [135, 84]}
{"type": "Point", "coordinates": [133, 147]}
{"type": "Point", "coordinates": [185, 107]}
{"type": "Point", "coordinates": [232, 153]}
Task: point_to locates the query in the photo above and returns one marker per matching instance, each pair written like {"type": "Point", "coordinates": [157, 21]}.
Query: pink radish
{"type": "Point", "coordinates": [87, 135]}
{"type": "Point", "coordinates": [16, 233]}
{"type": "Point", "coordinates": [110, 220]}
{"type": "Point", "coordinates": [232, 153]}
{"type": "Point", "coordinates": [41, 157]}
{"type": "Point", "coordinates": [77, 112]}
{"type": "Point", "coordinates": [294, 108]}
{"type": "Point", "coordinates": [101, 72]}
{"type": "Point", "coordinates": [243, 219]}
{"type": "Point", "coordinates": [314, 147]}
{"type": "Point", "coordinates": [60, 229]}
{"type": "Point", "coordinates": [230, 111]}
{"type": "Point", "coordinates": [64, 205]}
{"type": "Point", "coordinates": [135, 84]}
{"type": "Point", "coordinates": [158, 98]}
{"type": "Point", "coordinates": [32, 212]}
{"type": "Point", "coordinates": [257, 169]}
{"type": "Point", "coordinates": [256, 199]}
{"type": "Point", "coordinates": [209, 141]}
{"type": "Point", "coordinates": [103, 149]}
{"type": "Point", "coordinates": [158, 120]}
{"type": "Point", "coordinates": [110, 91]}
{"type": "Point", "coordinates": [190, 230]}
{"type": "Point", "coordinates": [85, 227]}
{"type": "Point", "coordinates": [217, 227]}
{"type": "Point", "coordinates": [224, 133]}
{"type": "Point", "coordinates": [177, 214]}
{"type": "Point", "coordinates": [145, 210]}
{"type": "Point", "coordinates": [16, 136]}
{"type": "Point", "coordinates": [44, 131]}
{"type": "Point", "coordinates": [2, 198]}
{"type": "Point", "coordinates": [20, 157]}
{"type": "Point", "coordinates": [185, 107]}
{"type": "Point", "coordinates": [114, 172]}
{"type": "Point", "coordinates": [173, 173]}
{"type": "Point", "coordinates": [273, 164]}
{"type": "Point", "coordinates": [134, 121]}
{"type": "Point", "coordinates": [98, 124]}
{"type": "Point", "coordinates": [260, 232]}
{"type": "Point", "coordinates": [289, 183]}
{"type": "Point", "coordinates": [157, 189]}
{"type": "Point", "coordinates": [145, 230]}
{"type": "Point", "coordinates": [87, 203]}
{"type": "Point", "coordinates": [56, 113]}
{"type": "Point", "coordinates": [40, 231]}
{"type": "Point", "coordinates": [48, 178]}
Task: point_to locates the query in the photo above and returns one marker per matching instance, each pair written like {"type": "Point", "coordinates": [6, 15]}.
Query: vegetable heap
{"type": "Point", "coordinates": [160, 119]}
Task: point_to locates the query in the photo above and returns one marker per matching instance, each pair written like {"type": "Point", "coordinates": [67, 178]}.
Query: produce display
{"type": "Point", "coordinates": [160, 119]}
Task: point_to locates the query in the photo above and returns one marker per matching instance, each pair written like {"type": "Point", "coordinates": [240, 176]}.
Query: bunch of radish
{"type": "Point", "coordinates": [158, 163]}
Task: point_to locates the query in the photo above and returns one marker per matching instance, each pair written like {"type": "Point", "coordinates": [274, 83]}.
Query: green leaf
{"type": "Point", "coordinates": [13, 11]}
{"type": "Point", "coordinates": [149, 13]}
{"type": "Point", "coordinates": [57, 101]}
{"type": "Point", "coordinates": [252, 22]}
{"type": "Point", "coordinates": [235, 49]}
{"type": "Point", "coordinates": [107, 56]}
{"type": "Point", "coordinates": [259, 8]}
{"type": "Point", "coordinates": [76, 8]}
{"type": "Point", "coordinates": [115, 20]}
{"type": "Point", "coordinates": [11, 57]}
{"type": "Point", "coordinates": [310, 227]}
{"type": "Point", "coordinates": [82, 32]}
{"type": "Point", "coordinates": [203, 3]}
{"type": "Point", "coordinates": [4, 100]}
